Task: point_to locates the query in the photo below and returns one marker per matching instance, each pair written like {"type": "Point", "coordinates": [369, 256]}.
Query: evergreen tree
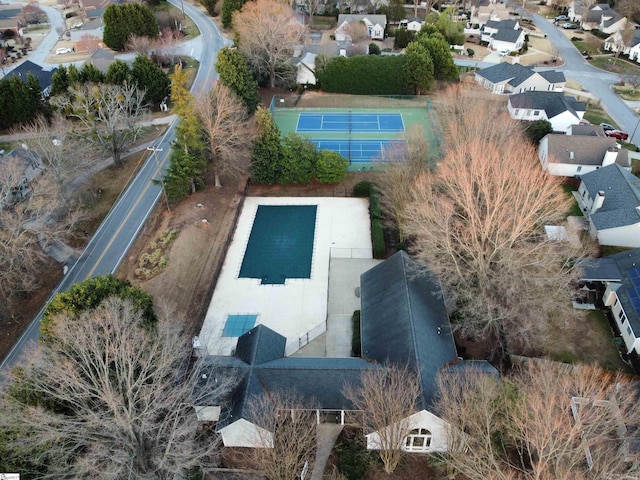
{"type": "Point", "coordinates": [418, 68]}
{"type": "Point", "coordinates": [73, 75]}
{"type": "Point", "coordinates": [299, 159]}
{"type": "Point", "coordinates": [122, 21]}
{"type": "Point", "coordinates": [210, 6]}
{"type": "Point", "coordinates": [187, 164]}
{"type": "Point", "coordinates": [59, 81]}
{"type": "Point", "coordinates": [118, 73]}
{"type": "Point", "coordinates": [266, 156]}
{"type": "Point", "coordinates": [90, 73]}
{"type": "Point", "coordinates": [444, 67]}
{"type": "Point", "coordinates": [234, 72]}
{"type": "Point", "coordinates": [20, 102]}
{"type": "Point", "coordinates": [150, 78]}
{"type": "Point", "coordinates": [228, 7]}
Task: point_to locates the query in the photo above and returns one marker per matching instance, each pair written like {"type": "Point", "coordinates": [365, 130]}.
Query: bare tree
{"type": "Point", "coordinates": [141, 45]}
{"type": "Point", "coordinates": [546, 420]}
{"type": "Point", "coordinates": [117, 399]}
{"type": "Point", "coordinates": [478, 222]}
{"type": "Point", "coordinates": [60, 29]}
{"type": "Point", "coordinates": [228, 131]}
{"type": "Point", "coordinates": [287, 433]}
{"type": "Point", "coordinates": [634, 81]}
{"type": "Point", "coordinates": [33, 14]}
{"type": "Point", "coordinates": [404, 164]}
{"type": "Point", "coordinates": [109, 116]}
{"type": "Point", "coordinates": [357, 32]}
{"type": "Point", "coordinates": [267, 32]}
{"type": "Point", "coordinates": [64, 157]}
{"type": "Point", "coordinates": [387, 397]}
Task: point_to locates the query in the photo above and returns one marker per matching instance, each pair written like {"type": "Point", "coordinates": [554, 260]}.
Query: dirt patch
{"type": "Point", "coordinates": [412, 467]}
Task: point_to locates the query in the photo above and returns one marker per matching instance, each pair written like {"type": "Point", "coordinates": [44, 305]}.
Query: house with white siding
{"type": "Point", "coordinates": [515, 78]}
{"type": "Point", "coordinates": [610, 199]}
{"type": "Point", "coordinates": [560, 110]}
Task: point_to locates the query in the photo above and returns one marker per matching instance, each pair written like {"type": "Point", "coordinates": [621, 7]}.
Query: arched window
{"type": "Point", "coordinates": [419, 440]}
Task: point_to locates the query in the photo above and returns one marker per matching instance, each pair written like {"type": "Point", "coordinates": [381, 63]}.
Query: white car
{"type": "Point", "coordinates": [63, 50]}
{"type": "Point", "coordinates": [504, 53]}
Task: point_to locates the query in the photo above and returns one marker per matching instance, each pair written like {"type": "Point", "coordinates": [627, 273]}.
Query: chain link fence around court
{"type": "Point", "coordinates": [360, 132]}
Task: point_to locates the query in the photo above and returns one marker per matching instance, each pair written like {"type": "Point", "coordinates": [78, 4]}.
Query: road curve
{"type": "Point", "coordinates": [114, 236]}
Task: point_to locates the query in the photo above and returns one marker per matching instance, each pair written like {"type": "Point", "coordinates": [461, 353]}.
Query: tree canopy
{"type": "Point", "coordinates": [234, 72]}
{"type": "Point", "coordinates": [122, 21]}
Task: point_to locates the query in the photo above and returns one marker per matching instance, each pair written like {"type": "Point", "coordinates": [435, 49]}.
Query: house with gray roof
{"type": "Point", "coordinates": [503, 35]}
{"type": "Point", "coordinates": [615, 281]}
{"type": "Point", "coordinates": [403, 322]}
{"type": "Point", "coordinates": [625, 41]}
{"type": "Point", "coordinates": [27, 68]}
{"type": "Point", "coordinates": [515, 78]}
{"type": "Point", "coordinates": [602, 17]}
{"type": "Point", "coordinates": [575, 155]}
{"type": "Point", "coordinates": [610, 199]}
{"type": "Point", "coordinates": [560, 110]}
{"type": "Point", "coordinates": [374, 25]}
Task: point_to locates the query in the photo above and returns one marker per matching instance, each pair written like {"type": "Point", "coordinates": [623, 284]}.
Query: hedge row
{"type": "Point", "coordinates": [365, 75]}
{"type": "Point", "coordinates": [356, 344]}
{"type": "Point", "coordinates": [369, 189]}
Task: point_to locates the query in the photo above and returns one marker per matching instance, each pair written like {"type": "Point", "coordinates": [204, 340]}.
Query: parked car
{"type": "Point", "coordinates": [569, 26]}
{"type": "Point", "coordinates": [63, 50]}
{"type": "Point", "coordinates": [619, 134]}
{"type": "Point", "coordinates": [504, 53]}
{"type": "Point", "coordinates": [562, 18]}
{"type": "Point", "coordinates": [606, 126]}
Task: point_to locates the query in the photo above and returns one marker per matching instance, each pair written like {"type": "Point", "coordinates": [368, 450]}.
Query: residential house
{"type": "Point", "coordinates": [503, 35]}
{"type": "Point", "coordinates": [18, 169]}
{"type": "Point", "coordinates": [375, 26]}
{"type": "Point", "coordinates": [578, 9]}
{"type": "Point", "coordinates": [10, 18]}
{"type": "Point", "coordinates": [575, 155]}
{"type": "Point", "coordinates": [94, 8]}
{"type": "Point", "coordinates": [27, 68]}
{"type": "Point", "coordinates": [403, 322]}
{"type": "Point", "coordinates": [102, 58]}
{"type": "Point", "coordinates": [602, 17]}
{"type": "Point", "coordinates": [515, 78]}
{"type": "Point", "coordinates": [614, 282]}
{"type": "Point", "coordinates": [610, 199]}
{"type": "Point", "coordinates": [625, 41]}
{"type": "Point", "coordinates": [93, 28]}
{"type": "Point", "coordinates": [306, 68]}
{"type": "Point", "coordinates": [489, 10]}
{"type": "Point", "coordinates": [413, 24]}
{"type": "Point", "coordinates": [559, 109]}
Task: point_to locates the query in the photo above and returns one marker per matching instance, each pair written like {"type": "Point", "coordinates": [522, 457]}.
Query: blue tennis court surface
{"type": "Point", "coordinates": [362, 150]}
{"type": "Point", "coordinates": [350, 122]}
{"type": "Point", "coordinates": [280, 244]}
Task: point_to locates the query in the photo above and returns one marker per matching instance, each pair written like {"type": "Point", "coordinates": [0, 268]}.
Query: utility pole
{"type": "Point", "coordinates": [155, 151]}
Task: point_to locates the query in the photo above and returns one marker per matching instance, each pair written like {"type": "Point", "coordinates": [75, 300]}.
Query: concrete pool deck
{"type": "Point", "coordinates": [298, 309]}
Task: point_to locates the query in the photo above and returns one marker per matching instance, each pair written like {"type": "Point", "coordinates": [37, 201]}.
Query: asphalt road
{"type": "Point", "coordinates": [111, 241]}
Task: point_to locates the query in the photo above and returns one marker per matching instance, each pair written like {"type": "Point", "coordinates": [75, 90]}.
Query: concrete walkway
{"type": "Point", "coordinates": [326, 436]}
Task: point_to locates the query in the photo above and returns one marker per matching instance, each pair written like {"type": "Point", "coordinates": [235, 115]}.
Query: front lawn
{"type": "Point", "coordinates": [597, 115]}
{"type": "Point", "coordinates": [627, 92]}
{"type": "Point", "coordinates": [618, 66]}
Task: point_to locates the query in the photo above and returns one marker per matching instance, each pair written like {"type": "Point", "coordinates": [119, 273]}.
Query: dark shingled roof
{"type": "Point", "coordinates": [596, 11]}
{"type": "Point", "coordinates": [621, 196]}
{"type": "Point", "coordinates": [627, 261]}
{"type": "Point", "coordinates": [513, 72]}
{"type": "Point", "coordinates": [553, 76]}
{"type": "Point", "coordinates": [507, 35]}
{"type": "Point", "coordinates": [404, 320]}
{"type": "Point", "coordinates": [584, 150]}
{"type": "Point", "coordinates": [587, 130]}
{"type": "Point", "coordinates": [600, 269]}
{"type": "Point", "coordinates": [553, 103]}
{"type": "Point", "coordinates": [260, 345]}
{"type": "Point", "coordinates": [501, 24]}
{"type": "Point", "coordinates": [28, 67]}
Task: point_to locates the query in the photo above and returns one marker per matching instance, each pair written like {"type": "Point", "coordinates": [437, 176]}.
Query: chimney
{"type": "Point", "coordinates": [597, 202]}
{"type": "Point", "coordinates": [610, 156]}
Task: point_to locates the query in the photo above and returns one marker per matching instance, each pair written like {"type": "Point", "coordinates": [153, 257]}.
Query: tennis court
{"type": "Point", "coordinates": [363, 151]}
{"type": "Point", "coordinates": [280, 244]}
{"type": "Point", "coordinates": [361, 128]}
{"type": "Point", "coordinates": [350, 122]}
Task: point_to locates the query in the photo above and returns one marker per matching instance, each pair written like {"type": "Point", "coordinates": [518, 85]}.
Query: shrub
{"type": "Point", "coordinates": [70, 15]}
{"type": "Point", "coordinates": [364, 188]}
{"type": "Point", "coordinates": [470, 52]}
{"type": "Point", "coordinates": [331, 167]}
{"type": "Point", "coordinates": [375, 209]}
{"type": "Point", "coordinates": [356, 344]}
{"type": "Point", "coordinates": [353, 457]}
{"type": "Point", "coordinates": [377, 239]}
{"type": "Point", "coordinates": [374, 49]}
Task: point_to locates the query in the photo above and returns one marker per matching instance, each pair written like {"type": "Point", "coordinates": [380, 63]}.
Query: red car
{"type": "Point", "coordinates": [619, 134]}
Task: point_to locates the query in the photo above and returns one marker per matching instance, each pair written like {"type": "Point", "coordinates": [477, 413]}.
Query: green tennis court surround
{"type": "Point", "coordinates": [280, 244]}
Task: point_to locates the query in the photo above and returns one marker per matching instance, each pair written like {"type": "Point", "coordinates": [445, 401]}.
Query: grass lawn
{"type": "Point", "coordinates": [597, 115]}
{"type": "Point", "coordinates": [582, 46]}
{"type": "Point", "coordinates": [167, 15]}
{"type": "Point", "coordinates": [323, 21]}
{"type": "Point", "coordinates": [575, 209]}
{"type": "Point", "coordinates": [627, 92]}
{"type": "Point", "coordinates": [595, 345]}
{"type": "Point", "coordinates": [635, 167]}
{"type": "Point", "coordinates": [619, 66]}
